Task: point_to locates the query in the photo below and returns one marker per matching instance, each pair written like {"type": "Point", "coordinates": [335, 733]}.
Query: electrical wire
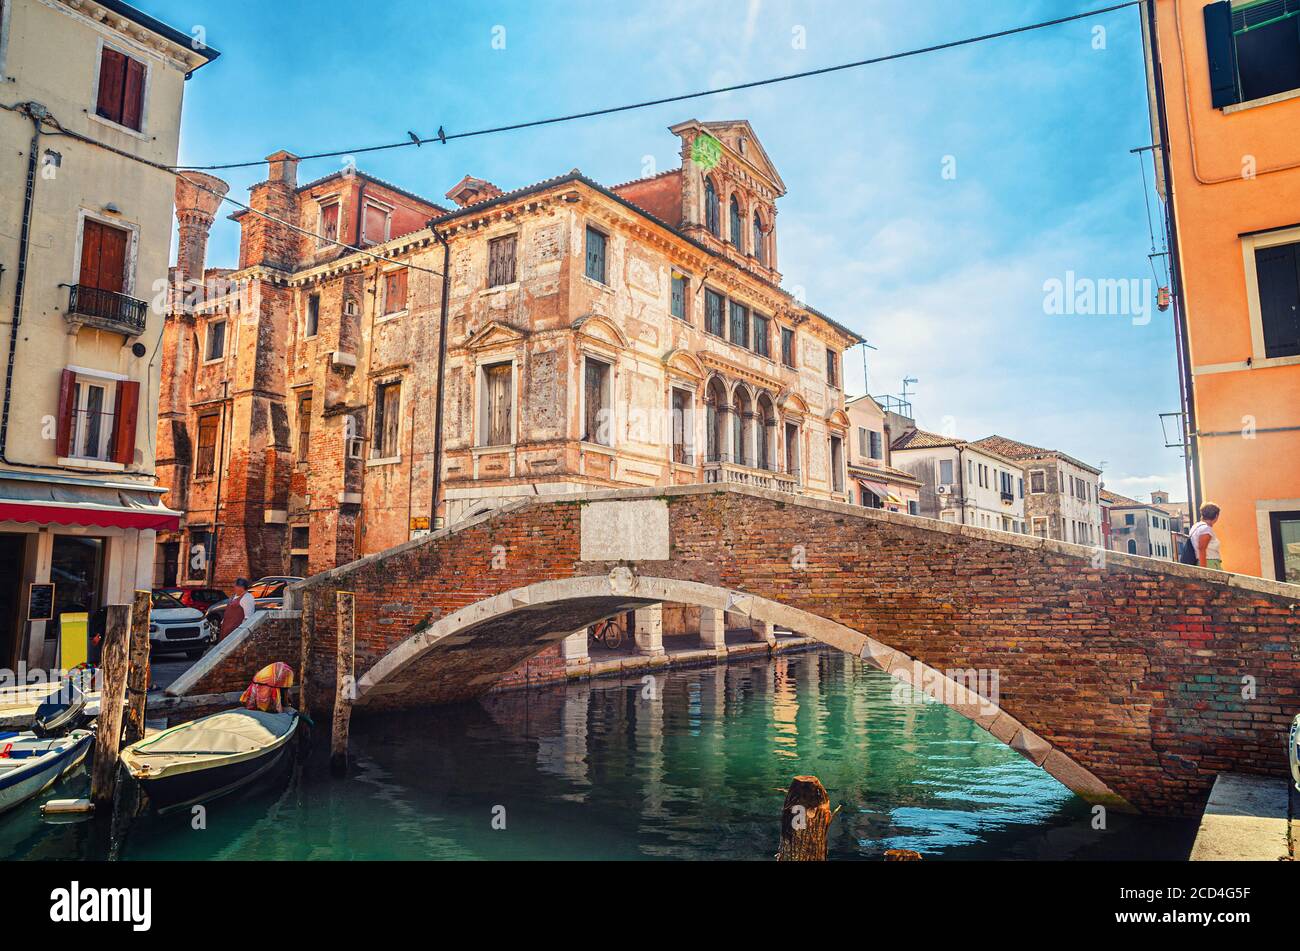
{"type": "Point", "coordinates": [443, 137]}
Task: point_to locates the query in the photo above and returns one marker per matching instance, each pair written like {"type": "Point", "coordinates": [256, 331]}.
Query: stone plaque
{"type": "Point", "coordinates": [631, 530]}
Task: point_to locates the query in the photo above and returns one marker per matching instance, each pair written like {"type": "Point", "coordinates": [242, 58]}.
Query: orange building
{"type": "Point", "coordinates": [1225, 90]}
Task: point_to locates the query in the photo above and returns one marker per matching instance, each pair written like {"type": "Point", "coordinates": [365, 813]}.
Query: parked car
{"type": "Point", "coordinates": [268, 595]}
{"type": "Point", "coordinates": [201, 598]}
{"type": "Point", "coordinates": [174, 627]}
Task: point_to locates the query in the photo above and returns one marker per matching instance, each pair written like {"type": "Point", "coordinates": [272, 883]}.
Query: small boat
{"type": "Point", "coordinates": [209, 757]}
{"type": "Point", "coordinates": [30, 764]}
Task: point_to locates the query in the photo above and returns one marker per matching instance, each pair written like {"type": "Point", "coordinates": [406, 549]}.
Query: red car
{"type": "Point", "coordinates": [199, 598]}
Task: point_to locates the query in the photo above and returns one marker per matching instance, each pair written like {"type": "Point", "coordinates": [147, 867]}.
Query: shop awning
{"type": "Point", "coordinates": [881, 491]}
{"type": "Point", "coordinates": [48, 503]}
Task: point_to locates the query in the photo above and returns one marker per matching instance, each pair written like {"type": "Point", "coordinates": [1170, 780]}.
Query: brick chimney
{"type": "Point", "coordinates": [265, 241]}
{"type": "Point", "coordinates": [196, 209]}
{"type": "Point", "coordinates": [469, 190]}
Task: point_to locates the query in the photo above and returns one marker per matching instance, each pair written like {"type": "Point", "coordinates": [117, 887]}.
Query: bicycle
{"type": "Point", "coordinates": [608, 632]}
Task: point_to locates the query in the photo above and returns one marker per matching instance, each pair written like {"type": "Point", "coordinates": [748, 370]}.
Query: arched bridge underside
{"type": "Point", "coordinates": [1132, 680]}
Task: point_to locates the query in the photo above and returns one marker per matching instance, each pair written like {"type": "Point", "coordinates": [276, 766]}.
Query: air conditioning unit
{"type": "Point", "coordinates": [356, 448]}
{"type": "Point", "coordinates": [942, 490]}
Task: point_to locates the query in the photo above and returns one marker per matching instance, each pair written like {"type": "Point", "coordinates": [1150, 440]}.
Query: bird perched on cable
{"type": "Point", "coordinates": [414, 138]}
{"type": "Point", "coordinates": [442, 136]}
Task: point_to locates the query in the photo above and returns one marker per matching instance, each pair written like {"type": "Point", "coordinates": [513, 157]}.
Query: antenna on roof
{"type": "Point", "coordinates": [906, 381]}
{"type": "Point", "coordinates": [866, 388]}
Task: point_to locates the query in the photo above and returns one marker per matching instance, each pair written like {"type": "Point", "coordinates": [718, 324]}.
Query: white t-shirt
{"type": "Point", "coordinates": [1200, 529]}
{"type": "Point", "coordinates": [248, 604]}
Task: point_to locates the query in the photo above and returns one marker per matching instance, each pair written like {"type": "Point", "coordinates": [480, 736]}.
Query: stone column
{"type": "Point", "coordinates": [713, 629]}
{"type": "Point", "coordinates": [574, 648]}
{"type": "Point", "coordinates": [650, 630]}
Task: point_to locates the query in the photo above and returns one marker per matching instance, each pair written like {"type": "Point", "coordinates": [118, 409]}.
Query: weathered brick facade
{"type": "Point", "coordinates": [1138, 677]}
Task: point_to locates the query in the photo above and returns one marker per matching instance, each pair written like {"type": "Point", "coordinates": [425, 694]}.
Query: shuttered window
{"type": "Point", "coordinates": [388, 416]}
{"type": "Point", "coordinates": [597, 424]}
{"type": "Point", "coordinates": [103, 256]}
{"type": "Point", "coordinates": [737, 225]}
{"type": "Point", "coordinates": [1278, 270]}
{"type": "Point", "coordinates": [205, 458]}
{"type": "Point", "coordinates": [739, 325]}
{"type": "Point", "coordinates": [762, 336]}
{"type": "Point", "coordinates": [395, 291]}
{"type": "Point", "coordinates": [329, 222]}
{"type": "Point", "coordinates": [501, 261]}
{"type": "Point", "coordinates": [760, 251]}
{"type": "Point", "coordinates": [877, 448]}
{"type": "Point", "coordinates": [498, 388]}
{"type": "Point", "coordinates": [97, 418]}
{"type": "Point", "coordinates": [680, 283]}
{"type": "Point", "coordinates": [711, 216]}
{"type": "Point", "coordinates": [832, 367]}
{"type": "Point", "coordinates": [374, 228]}
{"type": "Point", "coordinates": [304, 427]}
{"type": "Point", "coordinates": [787, 346]}
{"type": "Point", "coordinates": [216, 346]}
{"type": "Point", "coordinates": [713, 321]}
{"type": "Point", "coordinates": [313, 315]}
{"type": "Point", "coordinates": [121, 89]}
{"type": "Point", "coordinates": [596, 255]}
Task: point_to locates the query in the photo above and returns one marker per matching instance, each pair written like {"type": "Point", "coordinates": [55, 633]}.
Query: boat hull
{"type": "Point", "coordinates": [19, 785]}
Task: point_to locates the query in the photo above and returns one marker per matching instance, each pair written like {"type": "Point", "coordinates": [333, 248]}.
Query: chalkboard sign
{"type": "Point", "coordinates": [40, 603]}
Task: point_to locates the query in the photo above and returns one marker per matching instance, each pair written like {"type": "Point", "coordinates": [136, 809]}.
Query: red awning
{"type": "Point", "coordinates": [111, 516]}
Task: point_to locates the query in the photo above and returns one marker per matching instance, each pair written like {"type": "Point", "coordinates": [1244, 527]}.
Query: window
{"type": "Point", "coordinates": [678, 304]}
{"type": "Point", "coordinates": [298, 565]}
{"type": "Point", "coordinates": [837, 464]}
{"type": "Point", "coordinates": [945, 472]}
{"type": "Point", "coordinates": [304, 427]}
{"type": "Point", "coordinates": [388, 416]}
{"type": "Point", "coordinates": [498, 400]}
{"type": "Point", "coordinates": [792, 449]}
{"type": "Point", "coordinates": [597, 421]}
{"type": "Point", "coordinates": [683, 426]}
{"type": "Point", "coordinates": [313, 315]}
{"type": "Point", "coordinates": [329, 224]}
{"type": "Point", "coordinates": [1020, 488]}
{"type": "Point", "coordinates": [501, 260]}
{"type": "Point", "coordinates": [1006, 486]}
{"type": "Point", "coordinates": [200, 554]}
{"type": "Point", "coordinates": [862, 441]}
{"type": "Point", "coordinates": [205, 458]}
{"type": "Point", "coordinates": [103, 256]}
{"type": "Point", "coordinates": [1277, 271]}
{"type": "Point", "coordinates": [1037, 481]}
{"type": "Point", "coordinates": [876, 447]}
{"type": "Point", "coordinates": [596, 255]}
{"type": "Point", "coordinates": [737, 229]}
{"type": "Point", "coordinates": [787, 346]}
{"type": "Point", "coordinates": [1039, 527]}
{"type": "Point", "coordinates": [1284, 532]}
{"type": "Point", "coordinates": [376, 224]}
{"type": "Point", "coordinates": [92, 422]}
{"type": "Point", "coordinates": [762, 337]}
{"type": "Point", "coordinates": [1132, 547]}
{"type": "Point", "coordinates": [1254, 50]}
{"type": "Point", "coordinates": [913, 507]}
{"type": "Point", "coordinates": [395, 291]}
{"type": "Point", "coordinates": [832, 368]}
{"type": "Point", "coordinates": [1128, 518]}
{"type": "Point", "coordinates": [739, 329]}
{"type": "Point", "coordinates": [713, 312]}
{"type": "Point", "coordinates": [216, 347]}
{"type": "Point", "coordinates": [711, 215]}
{"type": "Point", "coordinates": [121, 89]}
{"type": "Point", "coordinates": [760, 252]}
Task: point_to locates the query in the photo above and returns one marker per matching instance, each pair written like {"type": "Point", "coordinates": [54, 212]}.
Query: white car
{"type": "Point", "coordinates": [173, 627]}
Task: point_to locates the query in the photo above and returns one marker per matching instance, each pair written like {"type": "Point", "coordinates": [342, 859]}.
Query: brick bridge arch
{"type": "Point", "coordinates": [1133, 680]}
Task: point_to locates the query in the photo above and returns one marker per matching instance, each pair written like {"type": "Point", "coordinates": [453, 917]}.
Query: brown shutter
{"type": "Point", "coordinates": [112, 260]}
{"type": "Point", "coordinates": [91, 234]}
{"type": "Point", "coordinates": [112, 80]}
{"type": "Point", "coordinates": [133, 95]}
{"type": "Point", "coordinates": [67, 404]}
{"type": "Point", "coordinates": [128, 406]}
{"type": "Point", "coordinates": [374, 224]}
{"type": "Point", "coordinates": [397, 291]}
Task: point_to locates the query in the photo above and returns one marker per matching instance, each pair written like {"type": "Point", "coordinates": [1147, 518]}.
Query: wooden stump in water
{"type": "Point", "coordinates": [137, 669]}
{"type": "Point", "coordinates": [805, 821]}
{"type": "Point", "coordinates": [345, 685]}
{"type": "Point", "coordinates": [306, 625]}
{"type": "Point", "coordinates": [112, 691]}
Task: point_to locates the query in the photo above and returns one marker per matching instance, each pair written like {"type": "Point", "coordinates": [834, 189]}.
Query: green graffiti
{"type": "Point", "coordinates": [706, 151]}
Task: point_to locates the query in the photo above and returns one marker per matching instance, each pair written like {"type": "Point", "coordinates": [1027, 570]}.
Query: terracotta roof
{"type": "Point", "coordinates": [1013, 449]}
{"type": "Point", "coordinates": [1114, 498]}
{"type": "Point", "coordinates": [920, 439]}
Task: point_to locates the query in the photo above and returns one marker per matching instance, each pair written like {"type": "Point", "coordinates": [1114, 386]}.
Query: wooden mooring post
{"type": "Point", "coordinates": [345, 682]}
{"type": "Point", "coordinates": [305, 626]}
{"type": "Point", "coordinates": [805, 821]}
{"type": "Point", "coordinates": [137, 669]}
{"type": "Point", "coordinates": [112, 691]}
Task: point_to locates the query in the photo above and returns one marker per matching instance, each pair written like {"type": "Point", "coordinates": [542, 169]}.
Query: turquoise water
{"type": "Point", "coordinates": [691, 766]}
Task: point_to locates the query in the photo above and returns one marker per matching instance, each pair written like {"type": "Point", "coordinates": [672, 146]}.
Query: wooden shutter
{"type": "Point", "coordinates": [395, 291]}
{"type": "Point", "coordinates": [499, 398]}
{"type": "Point", "coordinates": [1278, 270]}
{"type": "Point", "coordinates": [133, 95]}
{"type": "Point", "coordinates": [91, 235]}
{"type": "Point", "coordinates": [501, 261]}
{"type": "Point", "coordinates": [376, 224]}
{"type": "Point", "coordinates": [112, 82]}
{"type": "Point", "coordinates": [103, 256]}
{"type": "Point", "coordinates": [67, 406]}
{"type": "Point", "coordinates": [1221, 47]}
{"type": "Point", "coordinates": [124, 416]}
{"type": "Point", "coordinates": [392, 417]}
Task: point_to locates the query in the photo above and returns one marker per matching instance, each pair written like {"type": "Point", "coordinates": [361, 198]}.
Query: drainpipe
{"type": "Point", "coordinates": [961, 483]}
{"type": "Point", "coordinates": [221, 467]}
{"type": "Point", "coordinates": [1190, 440]}
{"type": "Point", "coordinates": [442, 363]}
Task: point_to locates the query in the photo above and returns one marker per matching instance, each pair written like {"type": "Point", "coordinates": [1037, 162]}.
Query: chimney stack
{"type": "Point", "coordinates": [198, 197]}
{"type": "Point", "coordinates": [267, 239]}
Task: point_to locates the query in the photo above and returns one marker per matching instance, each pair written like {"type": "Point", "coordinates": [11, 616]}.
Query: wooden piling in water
{"type": "Point", "coordinates": [137, 668]}
{"type": "Point", "coordinates": [306, 623]}
{"type": "Point", "coordinates": [805, 821]}
{"type": "Point", "coordinates": [344, 681]}
{"type": "Point", "coordinates": [112, 692]}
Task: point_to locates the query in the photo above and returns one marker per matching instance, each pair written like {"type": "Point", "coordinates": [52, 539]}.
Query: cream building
{"type": "Point", "coordinates": [963, 482]}
{"type": "Point", "coordinates": [84, 240]}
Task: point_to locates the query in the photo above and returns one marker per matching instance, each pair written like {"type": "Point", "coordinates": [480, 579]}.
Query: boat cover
{"type": "Point", "coordinates": [232, 736]}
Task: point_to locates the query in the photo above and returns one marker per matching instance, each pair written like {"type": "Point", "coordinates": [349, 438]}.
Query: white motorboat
{"type": "Point", "coordinates": [30, 764]}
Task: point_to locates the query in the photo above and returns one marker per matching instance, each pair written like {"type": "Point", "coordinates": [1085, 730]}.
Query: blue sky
{"type": "Point", "coordinates": [944, 273]}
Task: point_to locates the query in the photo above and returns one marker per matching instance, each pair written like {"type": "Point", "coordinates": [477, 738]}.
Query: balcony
{"type": "Point", "coordinates": [1008, 498]}
{"type": "Point", "coordinates": [735, 474]}
{"type": "Point", "coordinates": [107, 310]}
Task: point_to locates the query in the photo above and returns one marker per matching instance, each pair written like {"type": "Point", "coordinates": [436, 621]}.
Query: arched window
{"type": "Point", "coordinates": [715, 405]}
{"type": "Point", "coordinates": [736, 227]}
{"type": "Point", "coordinates": [711, 208]}
{"type": "Point", "coordinates": [742, 421]}
{"type": "Point", "coordinates": [760, 251]}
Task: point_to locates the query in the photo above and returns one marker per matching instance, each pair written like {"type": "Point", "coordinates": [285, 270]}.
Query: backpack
{"type": "Point", "coordinates": [1188, 554]}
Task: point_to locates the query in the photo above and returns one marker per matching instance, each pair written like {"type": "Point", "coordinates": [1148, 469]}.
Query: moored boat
{"type": "Point", "coordinates": [209, 757]}
{"type": "Point", "coordinates": [30, 764]}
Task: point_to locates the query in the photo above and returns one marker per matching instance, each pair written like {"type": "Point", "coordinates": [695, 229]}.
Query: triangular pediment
{"type": "Point", "coordinates": [602, 330]}
{"type": "Point", "coordinates": [684, 363]}
{"type": "Point", "coordinates": [738, 137]}
{"type": "Point", "coordinates": [493, 334]}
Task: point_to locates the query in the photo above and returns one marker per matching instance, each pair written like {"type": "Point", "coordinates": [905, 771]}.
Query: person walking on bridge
{"type": "Point", "coordinates": [1203, 542]}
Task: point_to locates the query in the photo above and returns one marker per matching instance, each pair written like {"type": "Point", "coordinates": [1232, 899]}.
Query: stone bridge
{"type": "Point", "coordinates": [1133, 681]}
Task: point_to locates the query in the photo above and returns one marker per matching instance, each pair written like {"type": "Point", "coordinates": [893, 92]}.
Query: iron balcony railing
{"type": "Point", "coordinates": [107, 309]}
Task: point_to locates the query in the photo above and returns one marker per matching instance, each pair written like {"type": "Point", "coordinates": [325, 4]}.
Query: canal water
{"type": "Point", "coordinates": [689, 765]}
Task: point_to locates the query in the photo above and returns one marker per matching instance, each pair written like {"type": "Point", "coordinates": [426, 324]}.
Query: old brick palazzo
{"type": "Point", "coordinates": [596, 337]}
